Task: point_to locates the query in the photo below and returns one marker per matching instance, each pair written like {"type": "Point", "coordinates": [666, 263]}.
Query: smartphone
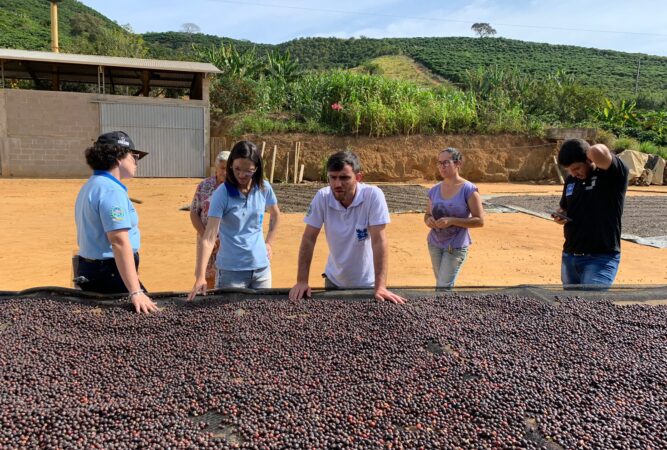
{"type": "Point", "coordinates": [559, 215]}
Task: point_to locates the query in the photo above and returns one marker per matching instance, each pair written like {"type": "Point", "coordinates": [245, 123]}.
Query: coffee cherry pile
{"type": "Point", "coordinates": [452, 371]}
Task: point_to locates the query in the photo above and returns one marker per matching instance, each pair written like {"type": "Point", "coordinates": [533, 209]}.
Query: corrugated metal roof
{"type": "Point", "coordinates": [108, 61]}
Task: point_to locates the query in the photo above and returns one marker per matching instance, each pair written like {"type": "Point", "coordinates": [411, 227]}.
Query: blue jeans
{"type": "Point", "coordinates": [446, 264]}
{"type": "Point", "coordinates": [594, 270]}
{"type": "Point", "coordinates": [248, 279]}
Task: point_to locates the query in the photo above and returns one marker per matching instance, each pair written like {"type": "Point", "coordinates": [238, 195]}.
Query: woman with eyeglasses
{"type": "Point", "coordinates": [236, 214]}
{"type": "Point", "coordinates": [107, 230]}
{"type": "Point", "coordinates": [454, 206]}
{"type": "Point", "coordinates": [200, 206]}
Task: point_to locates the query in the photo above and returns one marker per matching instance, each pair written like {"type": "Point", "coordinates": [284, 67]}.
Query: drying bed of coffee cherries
{"type": "Point", "coordinates": [452, 371]}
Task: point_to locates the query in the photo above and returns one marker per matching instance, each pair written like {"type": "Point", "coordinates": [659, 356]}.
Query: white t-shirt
{"type": "Point", "coordinates": [350, 262]}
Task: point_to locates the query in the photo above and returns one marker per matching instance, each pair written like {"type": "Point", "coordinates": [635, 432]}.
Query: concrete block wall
{"type": "Point", "coordinates": [45, 133]}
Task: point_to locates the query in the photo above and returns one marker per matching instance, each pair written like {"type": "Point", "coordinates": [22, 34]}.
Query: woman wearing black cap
{"type": "Point", "coordinates": [106, 223]}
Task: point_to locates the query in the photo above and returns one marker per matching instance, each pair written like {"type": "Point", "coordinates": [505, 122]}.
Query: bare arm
{"type": "Point", "coordinates": [600, 155]}
{"type": "Point", "coordinates": [205, 246]}
{"type": "Point", "coordinates": [308, 241]}
{"type": "Point", "coordinates": [273, 225]}
{"type": "Point", "coordinates": [476, 219]}
{"type": "Point", "coordinates": [197, 222]}
{"type": "Point", "coordinates": [428, 217]}
{"type": "Point", "coordinates": [380, 264]}
{"type": "Point", "coordinates": [124, 256]}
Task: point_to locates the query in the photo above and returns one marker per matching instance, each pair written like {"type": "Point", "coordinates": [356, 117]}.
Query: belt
{"type": "Point", "coordinates": [101, 261]}
{"type": "Point", "coordinates": [95, 261]}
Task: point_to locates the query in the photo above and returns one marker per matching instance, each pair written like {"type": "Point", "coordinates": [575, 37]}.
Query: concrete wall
{"type": "Point", "coordinates": [43, 134]}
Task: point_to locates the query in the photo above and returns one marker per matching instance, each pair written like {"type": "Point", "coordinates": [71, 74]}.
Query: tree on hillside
{"type": "Point", "coordinates": [190, 28]}
{"type": "Point", "coordinates": [483, 29]}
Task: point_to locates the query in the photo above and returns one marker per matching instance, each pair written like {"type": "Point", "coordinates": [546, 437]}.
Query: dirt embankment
{"type": "Point", "coordinates": [498, 158]}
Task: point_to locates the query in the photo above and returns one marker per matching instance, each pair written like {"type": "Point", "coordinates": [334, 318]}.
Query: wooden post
{"type": "Point", "coordinates": [287, 169]}
{"type": "Point", "coordinates": [560, 174]}
{"type": "Point", "coordinates": [263, 147]}
{"type": "Point", "coordinates": [273, 163]}
{"type": "Point", "coordinates": [301, 173]}
{"type": "Point", "coordinates": [296, 161]}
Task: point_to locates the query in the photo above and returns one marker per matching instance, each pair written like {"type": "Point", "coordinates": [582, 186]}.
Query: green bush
{"type": "Point", "coordinates": [625, 143]}
{"type": "Point", "coordinates": [652, 149]}
{"type": "Point", "coordinates": [649, 147]}
{"type": "Point", "coordinates": [605, 137]}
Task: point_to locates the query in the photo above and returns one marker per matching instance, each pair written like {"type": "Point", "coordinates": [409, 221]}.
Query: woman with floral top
{"type": "Point", "coordinates": [199, 210]}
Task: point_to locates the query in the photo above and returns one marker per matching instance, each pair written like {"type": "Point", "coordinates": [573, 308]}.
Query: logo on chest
{"type": "Point", "coordinates": [362, 234]}
{"type": "Point", "coordinates": [592, 185]}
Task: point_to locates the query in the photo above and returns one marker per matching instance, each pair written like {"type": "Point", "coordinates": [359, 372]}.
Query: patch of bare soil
{"type": "Point", "coordinates": [39, 237]}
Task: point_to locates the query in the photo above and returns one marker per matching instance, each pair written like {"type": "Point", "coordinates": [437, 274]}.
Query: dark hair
{"type": "Point", "coordinates": [572, 151]}
{"type": "Point", "coordinates": [454, 153]}
{"type": "Point", "coordinates": [246, 150]}
{"type": "Point", "coordinates": [337, 161]}
{"type": "Point", "coordinates": [105, 156]}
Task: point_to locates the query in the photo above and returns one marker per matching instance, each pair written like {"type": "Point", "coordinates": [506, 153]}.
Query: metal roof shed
{"type": "Point", "coordinates": [43, 131]}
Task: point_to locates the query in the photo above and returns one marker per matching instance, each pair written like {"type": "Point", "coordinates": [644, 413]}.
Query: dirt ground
{"type": "Point", "coordinates": [39, 237]}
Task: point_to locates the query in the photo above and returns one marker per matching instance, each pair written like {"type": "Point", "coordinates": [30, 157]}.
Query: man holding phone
{"type": "Point", "coordinates": [592, 206]}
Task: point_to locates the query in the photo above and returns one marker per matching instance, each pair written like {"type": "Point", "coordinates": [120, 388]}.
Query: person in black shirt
{"type": "Point", "coordinates": [592, 200]}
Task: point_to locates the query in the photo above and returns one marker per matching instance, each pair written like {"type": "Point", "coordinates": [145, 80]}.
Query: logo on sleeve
{"type": "Point", "coordinates": [117, 214]}
{"type": "Point", "coordinates": [310, 210]}
{"type": "Point", "coordinates": [569, 189]}
{"type": "Point", "coordinates": [362, 234]}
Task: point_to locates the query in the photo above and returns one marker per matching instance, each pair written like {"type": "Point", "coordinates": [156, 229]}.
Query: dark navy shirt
{"type": "Point", "coordinates": [595, 206]}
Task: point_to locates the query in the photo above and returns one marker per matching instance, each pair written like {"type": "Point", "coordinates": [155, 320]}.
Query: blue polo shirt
{"type": "Point", "coordinates": [102, 206]}
{"type": "Point", "coordinates": [242, 244]}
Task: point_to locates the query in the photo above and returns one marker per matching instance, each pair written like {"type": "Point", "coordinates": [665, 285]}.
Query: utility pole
{"type": "Point", "coordinates": [54, 26]}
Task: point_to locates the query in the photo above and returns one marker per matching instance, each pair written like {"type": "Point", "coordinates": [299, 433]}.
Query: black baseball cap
{"type": "Point", "coordinates": [121, 139]}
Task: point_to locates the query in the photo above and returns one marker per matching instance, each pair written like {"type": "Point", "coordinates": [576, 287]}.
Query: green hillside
{"type": "Point", "coordinates": [26, 24]}
{"type": "Point", "coordinates": [400, 67]}
{"type": "Point", "coordinates": [450, 57]}
{"type": "Point", "coordinates": [613, 72]}
{"type": "Point", "coordinates": [178, 45]}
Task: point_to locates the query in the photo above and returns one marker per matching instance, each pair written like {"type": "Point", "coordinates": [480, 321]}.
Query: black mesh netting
{"type": "Point", "coordinates": [458, 370]}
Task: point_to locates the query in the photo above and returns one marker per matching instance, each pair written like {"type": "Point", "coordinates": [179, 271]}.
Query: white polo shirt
{"type": "Point", "coordinates": [350, 262]}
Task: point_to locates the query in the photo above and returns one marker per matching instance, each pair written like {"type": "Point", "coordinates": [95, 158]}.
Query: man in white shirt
{"type": "Point", "coordinates": [354, 216]}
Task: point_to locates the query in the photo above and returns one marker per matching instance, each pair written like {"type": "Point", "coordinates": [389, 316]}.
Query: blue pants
{"type": "Point", "coordinates": [248, 279]}
{"type": "Point", "coordinates": [592, 270]}
{"type": "Point", "coordinates": [446, 264]}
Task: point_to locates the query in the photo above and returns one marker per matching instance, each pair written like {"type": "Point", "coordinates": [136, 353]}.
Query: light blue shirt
{"type": "Point", "coordinates": [102, 206]}
{"type": "Point", "coordinates": [242, 244]}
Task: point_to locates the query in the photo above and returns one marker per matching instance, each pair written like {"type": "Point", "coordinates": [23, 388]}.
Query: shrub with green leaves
{"type": "Point", "coordinates": [625, 143]}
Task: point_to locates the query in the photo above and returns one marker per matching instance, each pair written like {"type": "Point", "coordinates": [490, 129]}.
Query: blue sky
{"type": "Point", "coordinates": [632, 26]}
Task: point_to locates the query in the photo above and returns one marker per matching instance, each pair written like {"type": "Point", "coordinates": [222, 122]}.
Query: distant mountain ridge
{"type": "Point", "coordinates": [25, 24]}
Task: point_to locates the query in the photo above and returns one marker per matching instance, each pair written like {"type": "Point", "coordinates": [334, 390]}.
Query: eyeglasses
{"type": "Point", "coordinates": [249, 172]}
{"type": "Point", "coordinates": [445, 163]}
{"type": "Point", "coordinates": [135, 156]}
